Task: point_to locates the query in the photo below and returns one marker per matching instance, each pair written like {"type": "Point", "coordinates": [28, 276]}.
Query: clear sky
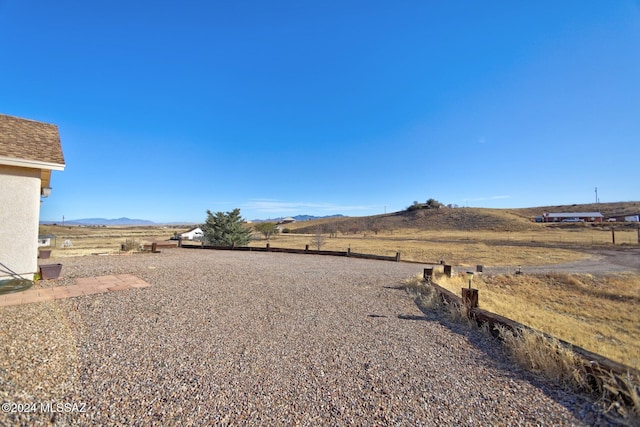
{"type": "Point", "coordinates": [169, 108]}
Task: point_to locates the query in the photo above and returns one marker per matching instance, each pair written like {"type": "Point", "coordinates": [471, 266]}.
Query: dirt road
{"type": "Point", "coordinates": [600, 261]}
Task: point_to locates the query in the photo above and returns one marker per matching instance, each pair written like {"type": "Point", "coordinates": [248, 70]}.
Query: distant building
{"type": "Point", "coordinates": [573, 217]}
{"type": "Point", "coordinates": [287, 220]}
{"type": "Point", "coordinates": [624, 218]}
{"type": "Point", "coordinates": [29, 152]}
{"type": "Point", "coordinates": [193, 234]}
{"type": "Point", "coordinates": [45, 240]}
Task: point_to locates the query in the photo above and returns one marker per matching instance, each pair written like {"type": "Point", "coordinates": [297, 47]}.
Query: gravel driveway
{"type": "Point", "coordinates": [250, 338]}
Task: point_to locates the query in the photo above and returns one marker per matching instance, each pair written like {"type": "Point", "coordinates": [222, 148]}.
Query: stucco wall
{"type": "Point", "coordinates": [19, 218]}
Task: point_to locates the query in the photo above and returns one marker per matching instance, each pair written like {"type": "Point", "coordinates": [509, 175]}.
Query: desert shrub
{"type": "Point", "coordinates": [415, 206]}
{"type": "Point", "coordinates": [426, 295]}
{"type": "Point", "coordinates": [624, 395]}
{"type": "Point", "coordinates": [130, 245]}
{"type": "Point", "coordinates": [318, 239]}
{"type": "Point", "coordinates": [267, 229]}
{"type": "Point", "coordinates": [433, 204]}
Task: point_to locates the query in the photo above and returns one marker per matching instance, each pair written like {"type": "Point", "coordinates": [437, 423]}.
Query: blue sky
{"type": "Point", "coordinates": [169, 108]}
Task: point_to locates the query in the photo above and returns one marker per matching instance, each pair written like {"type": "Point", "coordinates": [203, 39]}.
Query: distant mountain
{"type": "Point", "coordinates": [103, 221]}
{"type": "Point", "coordinates": [311, 217]}
{"type": "Point", "coordinates": [134, 222]}
{"type": "Point", "coordinates": [299, 218]}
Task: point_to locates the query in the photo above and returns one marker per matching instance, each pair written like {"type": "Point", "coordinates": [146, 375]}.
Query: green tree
{"type": "Point", "coordinates": [268, 229]}
{"type": "Point", "coordinates": [226, 229]}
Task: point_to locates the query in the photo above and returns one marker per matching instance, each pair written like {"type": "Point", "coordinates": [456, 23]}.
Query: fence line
{"type": "Point", "coordinates": [306, 251]}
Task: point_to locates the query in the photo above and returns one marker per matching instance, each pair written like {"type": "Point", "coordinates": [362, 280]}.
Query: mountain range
{"type": "Point", "coordinates": [138, 222]}
{"type": "Point", "coordinates": [102, 221]}
{"type": "Point", "coordinates": [299, 218]}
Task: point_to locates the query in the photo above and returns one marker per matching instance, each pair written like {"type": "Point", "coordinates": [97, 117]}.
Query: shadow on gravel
{"type": "Point", "coordinates": [411, 317]}
{"type": "Point", "coordinates": [582, 406]}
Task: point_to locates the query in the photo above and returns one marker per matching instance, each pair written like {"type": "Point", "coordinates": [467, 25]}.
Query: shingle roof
{"type": "Point", "coordinates": [30, 140]}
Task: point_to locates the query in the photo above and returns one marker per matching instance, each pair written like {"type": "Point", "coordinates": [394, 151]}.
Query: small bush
{"type": "Point", "coordinates": [130, 245]}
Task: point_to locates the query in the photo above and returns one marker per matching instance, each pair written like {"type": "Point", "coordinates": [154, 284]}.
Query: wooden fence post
{"type": "Point", "coordinates": [448, 270]}
{"type": "Point", "coordinates": [428, 274]}
{"type": "Point", "coordinates": [268, 248]}
{"type": "Point", "coordinates": [349, 248]}
{"type": "Point", "coordinates": [397, 256]}
{"type": "Point", "coordinates": [470, 297]}
{"type": "Point", "coordinates": [613, 235]}
{"type": "Point", "coordinates": [306, 249]}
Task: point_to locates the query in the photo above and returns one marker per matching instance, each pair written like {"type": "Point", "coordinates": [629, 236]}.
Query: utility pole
{"type": "Point", "coordinates": [597, 201]}
{"type": "Point", "coordinates": [63, 220]}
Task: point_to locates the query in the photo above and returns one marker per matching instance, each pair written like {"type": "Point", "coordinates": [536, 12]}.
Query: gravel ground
{"type": "Point", "coordinates": [263, 339]}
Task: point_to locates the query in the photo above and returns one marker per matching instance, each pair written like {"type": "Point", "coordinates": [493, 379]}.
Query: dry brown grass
{"type": "Point", "coordinates": [449, 247]}
{"type": "Point", "coordinates": [91, 240]}
{"type": "Point", "coordinates": [547, 356]}
{"type": "Point", "coordinates": [598, 313]}
{"type": "Point", "coordinates": [455, 252]}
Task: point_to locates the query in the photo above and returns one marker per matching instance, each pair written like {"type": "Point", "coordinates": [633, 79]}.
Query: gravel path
{"type": "Point", "coordinates": [273, 339]}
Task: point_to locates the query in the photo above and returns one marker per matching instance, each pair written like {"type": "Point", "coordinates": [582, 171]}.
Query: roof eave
{"type": "Point", "coordinates": [32, 164]}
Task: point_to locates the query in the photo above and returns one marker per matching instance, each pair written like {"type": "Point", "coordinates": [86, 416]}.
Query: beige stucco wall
{"type": "Point", "coordinates": [19, 219]}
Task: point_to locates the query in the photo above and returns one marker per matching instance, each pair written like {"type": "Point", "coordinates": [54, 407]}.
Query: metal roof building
{"type": "Point", "coordinates": [576, 216]}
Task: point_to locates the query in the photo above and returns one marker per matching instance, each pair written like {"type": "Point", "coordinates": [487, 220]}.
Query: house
{"type": "Point", "coordinates": [29, 152]}
{"type": "Point", "coordinates": [193, 234]}
{"type": "Point", "coordinates": [287, 220]}
{"type": "Point", "coordinates": [573, 217]}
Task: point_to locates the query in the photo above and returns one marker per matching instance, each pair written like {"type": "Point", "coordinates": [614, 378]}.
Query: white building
{"type": "Point", "coordinates": [29, 151]}
{"type": "Point", "coordinates": [193, 234]}
{"type": "Point", "coordinates": [573, 217]}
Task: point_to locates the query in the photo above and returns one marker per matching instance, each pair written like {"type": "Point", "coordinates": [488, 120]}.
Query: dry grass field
{"type": "Point", "coordinates": [102, 240]}
{"type": "Point", "coordinates": [596, 312]}
{"type": "Point", "coordinates": [449, 247]}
